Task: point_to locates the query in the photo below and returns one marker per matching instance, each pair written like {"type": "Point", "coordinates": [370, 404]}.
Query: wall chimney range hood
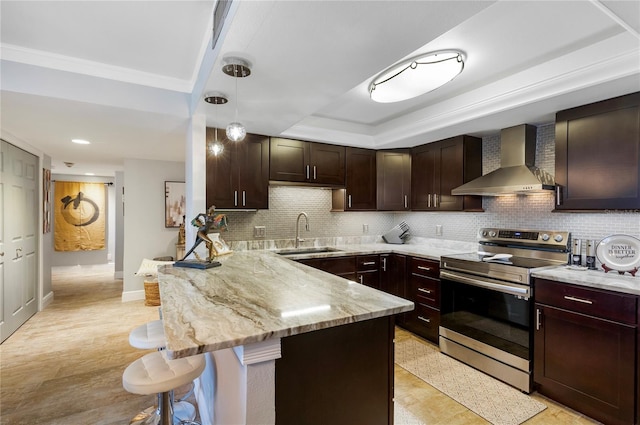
{"type": "Point", "coordinates": [517, 174]}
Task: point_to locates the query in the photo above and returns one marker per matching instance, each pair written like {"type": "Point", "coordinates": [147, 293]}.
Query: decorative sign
{"type": "Point", "coordinates": [620, 253]}
{"type": "Point", "coordinates": [79, 216]}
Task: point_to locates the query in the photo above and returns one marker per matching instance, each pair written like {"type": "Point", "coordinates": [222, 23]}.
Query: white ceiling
{"type": "Point", "coordinates": [129, 75]}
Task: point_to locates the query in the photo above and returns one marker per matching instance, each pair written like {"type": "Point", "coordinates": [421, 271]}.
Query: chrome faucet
{"type": "Point", "coordinates": [306, 218]}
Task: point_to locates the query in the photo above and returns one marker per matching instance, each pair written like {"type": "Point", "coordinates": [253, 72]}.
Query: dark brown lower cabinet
{"type": "Point", "coordinates": [424, 290]}
{"type": "Point", "coordinates": [368, 271]}
{"type": "Point", "coordinates": [340, 266]}
{"type": "Point", "coordinates": [338, 376]}
{"type": "Point", "coordinates": [585, 344]}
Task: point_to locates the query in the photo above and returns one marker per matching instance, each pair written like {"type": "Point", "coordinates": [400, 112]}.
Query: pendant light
{"type": "Point", "coordinates": [216, 98]}
{"type": "Point", "coordinates": [237, 68]}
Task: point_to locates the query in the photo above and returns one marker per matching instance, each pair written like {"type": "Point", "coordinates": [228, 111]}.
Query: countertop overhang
{"type": "Point", "coordinates": [258, 295]}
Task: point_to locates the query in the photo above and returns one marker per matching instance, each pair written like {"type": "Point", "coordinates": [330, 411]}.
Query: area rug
{"type": "Point", "coordinates": [495, 401]}
{"type": "Point", "coordinates": [401, 416]}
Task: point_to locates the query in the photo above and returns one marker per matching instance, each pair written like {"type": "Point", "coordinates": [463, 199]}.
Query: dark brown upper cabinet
{"type": "Point", "coordinates": [360, 180]}
{"type": "Point", "coordinates": [394, 180]}
{"type": "Point", "coordinates": [307, 162]}
{"type": "Point", "coordinates": [439, 167]}
{"type": "Point", "coordinates": [598, 155]}
{"type": "Point", "coordinates": [238, 178]}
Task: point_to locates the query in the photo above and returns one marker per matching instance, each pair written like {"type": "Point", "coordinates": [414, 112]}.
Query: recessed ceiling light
{"type": "Point", "coordinates": [81, 141]}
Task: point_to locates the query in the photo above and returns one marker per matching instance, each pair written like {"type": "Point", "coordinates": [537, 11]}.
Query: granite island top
{"type": "Point", "coordinates": [259, 295]}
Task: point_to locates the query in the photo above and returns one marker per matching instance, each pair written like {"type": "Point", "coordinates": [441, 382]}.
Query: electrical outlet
{"type": "Point", "coordinates": [365, 228]}
{"type": "Point", "coordinates": [438, 229]}
{"type": "Point", "coordinates": [259, 231]}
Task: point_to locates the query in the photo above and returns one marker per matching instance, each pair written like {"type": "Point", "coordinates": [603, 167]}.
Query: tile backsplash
{"type": "Point", "coordinates": [529, 212]}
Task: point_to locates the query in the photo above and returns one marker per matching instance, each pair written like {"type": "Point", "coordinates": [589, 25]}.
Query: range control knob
{"type": "Point", "coordinates": [545, 237]}
{"type": "Point", "coordinates": [493, 234]}
{"type": "Point", "coordinates": [558, 238]}
{"type": "Point", "coordinates": [484, 233]}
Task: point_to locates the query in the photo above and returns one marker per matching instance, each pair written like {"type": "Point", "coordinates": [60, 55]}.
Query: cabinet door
{"type": "Point", "coordinates": [598, 155]}
{"type": "Point", "coordinates": [393, 273]}
{"type": "Point", "coordinates": [239, 176]}
{"type": "Point", "coordinates": [289, 160]}
{"type": "Point", "coordinates": [222, 175]}
{"type": "Point", "coordinates": [394, 180]}
{"type": "Point", "coordinates": [439, 167]}
{"type": "Point", "coordinates": [327, 165]}
{"type": "Point", "coordinates": [253, 172]}
{"type": "Point", "coordinates": [360, 180]}
{"type": "Point", "coordinates": [586, 363]}
{"type": "Point", "coordinates": [424, 176]}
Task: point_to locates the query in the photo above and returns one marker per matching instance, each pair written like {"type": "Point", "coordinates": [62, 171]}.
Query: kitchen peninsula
{"type": "Point", "coordinates": [283, 341]}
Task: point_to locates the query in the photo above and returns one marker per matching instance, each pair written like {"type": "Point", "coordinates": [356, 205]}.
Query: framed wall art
{"type": "Point", "coordinates": [174, 204]}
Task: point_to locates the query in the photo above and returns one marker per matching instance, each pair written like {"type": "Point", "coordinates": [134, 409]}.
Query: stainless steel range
{"type": "Point", "coordinates": [487, 299]}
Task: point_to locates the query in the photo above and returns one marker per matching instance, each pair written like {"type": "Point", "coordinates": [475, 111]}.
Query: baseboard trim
{"type": "Point", "coordinates": [118, 274]}
{"type": "Point", "coordinates": [132, 296]}
{"type": "Point", "coordinates": [47, 299]}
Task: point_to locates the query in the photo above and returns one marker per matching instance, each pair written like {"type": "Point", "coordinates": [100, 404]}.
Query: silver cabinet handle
{"type": "Point", "coordinates": [429, 201]}
{"type": "Point", "coordinates": [361, 279]}
{"type": "Point", "coordinates": [244, 199]}
{"type": "Point", "coordinates": [580, 300]}
{"type": "Point", "coordinates": [426, 291]}
{"type": "Point", "coordinates": [406, 202]}
{"type": "Point", "coordinates": [384, 264]}
{"type": "Point", "coordinates": [314, 173]}
{"type": "Point", "coordinates": [369, 263]}
{"type": "Point", "coordinates": [18, 256]}
{"type": "Point", "coordinates": [307, 172]}
{"type": "Point", "coordinates": [235, 198]}
{"type": "Point", "coordinates": [435, 200]}
{"type": "Point", "coordinates": [424, 319]}
{"type": "Point", "coordinates": [558, 196]}
{"type": "Point", "coordinates": [538, 317]}
{"type": "Point", "coordinates": [428, 269]}
{"type": "Point", "coordinates": [349, 198]}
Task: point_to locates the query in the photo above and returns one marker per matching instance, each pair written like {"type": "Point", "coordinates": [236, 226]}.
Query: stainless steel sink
{"type": "Point", "coordinates": [302, 251]}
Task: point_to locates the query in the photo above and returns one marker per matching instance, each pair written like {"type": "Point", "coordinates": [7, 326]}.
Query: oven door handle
{"type": "Point", "coordinates": [495, 285]}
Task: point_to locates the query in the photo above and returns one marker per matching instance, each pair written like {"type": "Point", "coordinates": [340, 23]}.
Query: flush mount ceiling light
{"type": "Point", "coordinates": [416, 76]}
{"type": "Point", "coordinates": [237, 68]}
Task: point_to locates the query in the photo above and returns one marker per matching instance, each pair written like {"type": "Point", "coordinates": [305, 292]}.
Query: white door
{"type": "Point", "coordinates": [19, 206]}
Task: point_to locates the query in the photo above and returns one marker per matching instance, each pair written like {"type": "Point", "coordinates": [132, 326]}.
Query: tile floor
{"type": "Point", "coordinates": [64, 366]}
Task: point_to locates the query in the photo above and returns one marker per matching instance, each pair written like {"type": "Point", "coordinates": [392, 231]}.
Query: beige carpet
{"type": "Point", "coordinates": [495, 401]}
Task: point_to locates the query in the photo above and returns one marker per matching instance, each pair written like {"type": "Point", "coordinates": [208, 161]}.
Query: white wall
{"type": "Point", "coordinates": [144, 233]}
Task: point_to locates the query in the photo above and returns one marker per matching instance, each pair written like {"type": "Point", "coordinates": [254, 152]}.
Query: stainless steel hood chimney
{"type": "Point", "coordinates": [516, 174]}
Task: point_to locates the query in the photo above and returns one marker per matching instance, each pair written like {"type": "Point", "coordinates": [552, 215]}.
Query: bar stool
{"type": "Point", "coordinates": [151, 336]}
{"type": "Point", "coordinates": [155, 373]}
{"type": "Point", "coordinates": [148, 336]}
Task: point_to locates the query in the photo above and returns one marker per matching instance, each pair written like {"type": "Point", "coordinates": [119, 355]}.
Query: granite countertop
{"type": "Point", "coordinates": [432, 251]}
{"type": "Point", "coordinates": [598, 279]}
{"type": "Point", "coordinates": [259, 295]}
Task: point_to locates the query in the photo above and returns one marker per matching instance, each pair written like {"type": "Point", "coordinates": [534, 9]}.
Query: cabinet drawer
{"type": "Point", "coordinates": [367, 262]}
{"type": "Point", "coordinates": [594, 302]}
{"type": "Point", "coordinates": [424, 321]}
{"type": "Point", "coordinates": [423, 267]}
{"type": "Point", "coordinates": [338, 266]}
{"type": "Point", "coordinates": [425, 290]}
